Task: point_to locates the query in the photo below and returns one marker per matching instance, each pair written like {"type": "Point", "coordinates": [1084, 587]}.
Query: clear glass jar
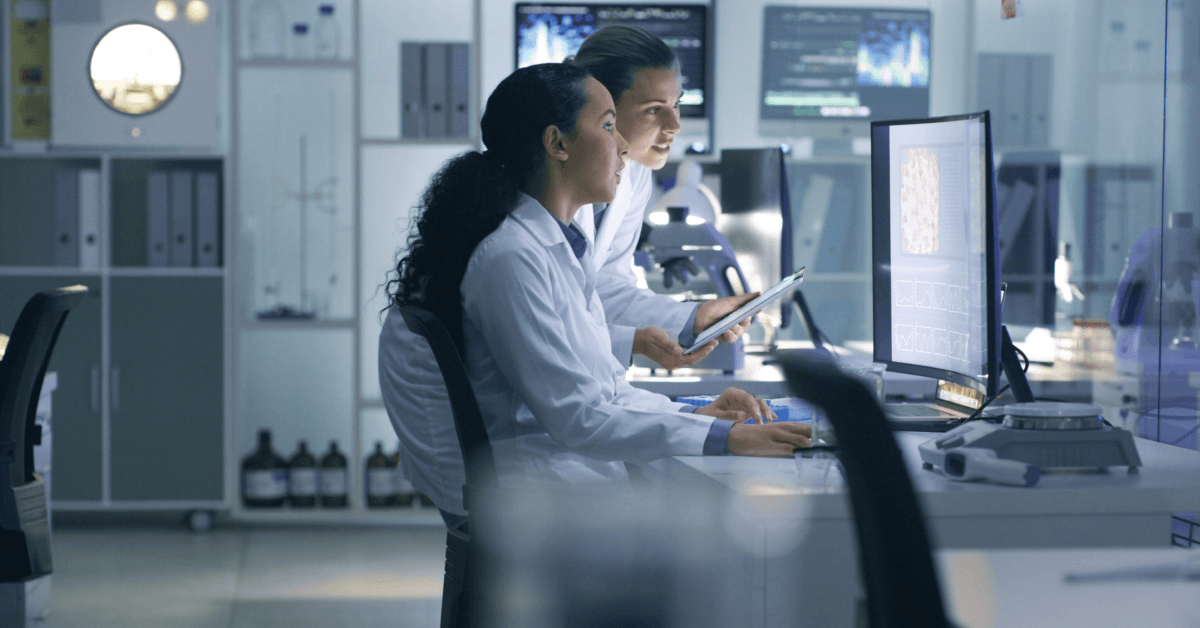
{"type": "Point", "coordinates": [326, 34]}
{"type": "Point", "coordinates": [301, 46]}
{"type": "Point", "coordinates": [268, 30]}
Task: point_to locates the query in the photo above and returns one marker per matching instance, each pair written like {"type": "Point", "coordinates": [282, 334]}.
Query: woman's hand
{"type": "Point", "coordinates": [776, 439]}
{"type": "Point", "coordinates": [712, 311]}
{"type": "Point", "coordinates": [657, 345]}
{"type": "Point", "coordinates": [738, 403]}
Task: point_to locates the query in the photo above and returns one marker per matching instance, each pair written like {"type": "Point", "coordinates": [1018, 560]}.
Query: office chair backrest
{"type": "Point", "coordinates": [894, 550]}
{"type": "Point", "coordinates": [468, 423]}
{"type": "Point", "coordinates": [21, 371]}
{"type": "Point", "coordinates": [24, 534]}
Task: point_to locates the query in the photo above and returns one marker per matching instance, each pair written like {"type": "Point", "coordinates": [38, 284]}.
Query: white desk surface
{"type": "Point", "coordinates": [1168, 481]}
{"type": "Point", "coordinates": [1026, 589]}
{"type": "Point", "coordinates": [759, 379]}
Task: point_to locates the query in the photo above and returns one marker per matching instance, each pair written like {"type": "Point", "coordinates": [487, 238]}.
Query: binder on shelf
{"type": "Point", "coordinates": [460, 81]}
{"type": "Point", "coordinates": [89, 218]}
{"type": "Point", "coordinates": [182, 216]}
{"type": "Point", "coordinates": [411, 82]}
{"type": "Point", "coordinates": [158, 220]}
{"type": "Point", "coordinates": [66, 218]}
{"type": "Point", "coordinates": [208, 230]}
{"type": "Point", "coordinates": [436, 90]}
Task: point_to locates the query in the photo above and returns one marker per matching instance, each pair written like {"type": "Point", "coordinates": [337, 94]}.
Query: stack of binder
{"type": "Point", "coordinates": [183, 218]}
{"type": "Point", "coordinates": [77, 218]}
{"type": "Point", "coordinates": [434, 90]}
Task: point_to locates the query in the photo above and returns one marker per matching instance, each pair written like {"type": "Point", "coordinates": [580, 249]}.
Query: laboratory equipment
{"type": "Point", "coordinates": [975, 463]}
{"type": "Point", "coordinates": [935, 282]}
{"type": "Point", "coordinates": [548, 33]}
{"type": "Point", "coordinates": [685, 251]}
{"type": "Point", "coordinates": [827, 70]}
{"type": "Point", "coordinates": [326, 34]}
{"type": "Point", "coordinates": [379, 484]}
{"type": "Point", "coordinates": [301, 46]}
{"type": "Point", "coordinates": [333, 477]}
{"type": "Point", "coordinates": [1045, 434]}
{"type": "Point", "coordinates": [302, 478]}
{"type": "Point", "coordinates": [264, 475]}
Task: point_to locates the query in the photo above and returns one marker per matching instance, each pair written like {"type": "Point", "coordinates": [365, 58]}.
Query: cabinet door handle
{"type": "Point", "coordinates": [95, 388]}
{"type": "Point", "coordinates": [115, 377]}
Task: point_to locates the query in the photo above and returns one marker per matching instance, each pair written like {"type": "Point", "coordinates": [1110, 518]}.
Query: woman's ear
{"type": "Point", "coordinates": [555, 143]}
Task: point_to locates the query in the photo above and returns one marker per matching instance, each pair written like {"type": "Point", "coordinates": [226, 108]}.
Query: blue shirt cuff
{"type": "Point", "coordinates": [688, 335]}
{"type": "Point", "coordinates": [717, 442]}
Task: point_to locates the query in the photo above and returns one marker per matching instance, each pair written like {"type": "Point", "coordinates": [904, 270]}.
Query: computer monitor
{"type": "Point", "coordinates": [936, 277]}
{"type": "Point", "coordinates": [548, 33]}
{"type": "Point", "coordinates": [828, 71]}
{"type": "Point", "coordinates": [755, 181]}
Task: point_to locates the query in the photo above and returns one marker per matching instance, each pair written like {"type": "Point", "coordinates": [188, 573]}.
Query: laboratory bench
{"type": "Point", "coordinates": [807, 532]}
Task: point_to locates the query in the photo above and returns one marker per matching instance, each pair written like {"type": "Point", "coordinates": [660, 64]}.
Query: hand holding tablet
{"type": "Point", "coordinates": [749, 309]}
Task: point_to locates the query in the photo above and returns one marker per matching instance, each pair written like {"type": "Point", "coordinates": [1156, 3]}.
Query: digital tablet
{"type": "Point", "coordinates": [749, 309]}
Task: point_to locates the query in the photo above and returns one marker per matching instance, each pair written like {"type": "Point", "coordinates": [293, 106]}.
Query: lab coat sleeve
{"type": "Point", "coordinates": [622, 342]}
{"type": "Point", "coordinates": [624, 302]}
{"type": "Point", "coordinates": [508, 297]}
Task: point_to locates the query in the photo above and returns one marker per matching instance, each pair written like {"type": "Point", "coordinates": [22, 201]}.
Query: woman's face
{"type": "Point", "coordinates": [597, 151]}
{"type": "Point", "coordinates": [648, 115]}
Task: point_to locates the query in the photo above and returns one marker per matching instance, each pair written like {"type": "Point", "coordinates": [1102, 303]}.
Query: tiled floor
{"type": "Point", "coordinates": [158, 574]}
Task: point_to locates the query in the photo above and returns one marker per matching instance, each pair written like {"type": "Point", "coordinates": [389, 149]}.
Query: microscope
{"type": "Point", "coordinates": [1144, 348]}
{"type": "Point", "coordinates": [696, 253]}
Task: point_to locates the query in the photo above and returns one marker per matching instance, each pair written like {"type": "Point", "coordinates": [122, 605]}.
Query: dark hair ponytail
{"type": "Point", "coordinates": [616, 53]}
{"type": "Point", "coordinates": [472, 193]}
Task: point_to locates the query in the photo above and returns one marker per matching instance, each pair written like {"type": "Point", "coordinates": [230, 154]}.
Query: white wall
{"type": "Point", "coordinates": [394, 173]}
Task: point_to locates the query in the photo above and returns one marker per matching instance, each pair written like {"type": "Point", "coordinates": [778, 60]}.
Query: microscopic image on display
{"type": "Point", "coordinates": [920, 201]}
{"type": "Point", "coordinates": [893, 53]}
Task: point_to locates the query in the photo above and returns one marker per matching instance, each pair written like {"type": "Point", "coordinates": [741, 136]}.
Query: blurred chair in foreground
{"type": "Point", "coordinates": [24, 525]}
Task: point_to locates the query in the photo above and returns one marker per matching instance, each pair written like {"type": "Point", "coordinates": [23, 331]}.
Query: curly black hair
{"type": "Point", "coordinates": [473, 192]}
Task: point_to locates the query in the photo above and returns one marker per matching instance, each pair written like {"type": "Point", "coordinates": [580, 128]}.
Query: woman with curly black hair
{"type": "Point", "coordinates": [497, 256]}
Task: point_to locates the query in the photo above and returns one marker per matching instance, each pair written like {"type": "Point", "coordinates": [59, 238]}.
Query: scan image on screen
{"type": "Point", "coordinates": [844, 63]}
{"type": "Point", "coordinates": [548, 33]}
{"type": "Point", "coordinates": [938, 255]}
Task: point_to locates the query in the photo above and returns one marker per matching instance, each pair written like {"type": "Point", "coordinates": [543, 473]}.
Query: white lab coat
{"type": "Point", "coordinates": [554, 399]}
{"type": "Point", "coordinates": [627, 306]}
{"type": "Point", "coordinates": [411, 382]}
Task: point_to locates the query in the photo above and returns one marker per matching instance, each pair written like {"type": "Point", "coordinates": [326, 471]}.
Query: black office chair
{"type": "Point", "coordinates": [461, 584]}
{"type": "Point", "coordinates": [894, 550]}
{"type": "Point", "coordinates": [24, 526]}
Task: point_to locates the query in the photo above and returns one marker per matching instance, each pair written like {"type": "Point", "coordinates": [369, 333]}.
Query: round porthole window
{"type": "Point", "coordinates": [135, 68]}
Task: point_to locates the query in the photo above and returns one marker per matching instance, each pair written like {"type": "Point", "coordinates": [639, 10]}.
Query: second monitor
{"type": "Point", "coordinates": [936, 273]}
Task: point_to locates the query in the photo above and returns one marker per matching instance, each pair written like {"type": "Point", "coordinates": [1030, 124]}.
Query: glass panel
{"type": "Point", "coordinates": [297, 383]}
{"type": "Point", "coordinates": [294, 192]}
{"type": "Point", "coordinates": [393, 178]}
{"type": "Point", "coordinates": [1176, 422]}
{"type": "Point", "coordinates": [1076, 95]}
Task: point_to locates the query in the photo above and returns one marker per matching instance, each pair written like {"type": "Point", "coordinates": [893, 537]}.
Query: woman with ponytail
{"type": "Point", "coordinates": [499, 257]}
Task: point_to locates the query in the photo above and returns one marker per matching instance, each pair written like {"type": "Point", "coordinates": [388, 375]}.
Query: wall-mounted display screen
{"type": "Point", "coordinates": [844, 63]}
{"type": "Point", "coordinates": [548, 33]}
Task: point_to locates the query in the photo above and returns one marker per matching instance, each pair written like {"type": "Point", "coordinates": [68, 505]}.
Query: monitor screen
{"type": "Point", "coordinates": [936, 271]}
{"type": "Point", "coordinates": [840, 63]}
{"type": "Point", "coordinates": [548, 33]}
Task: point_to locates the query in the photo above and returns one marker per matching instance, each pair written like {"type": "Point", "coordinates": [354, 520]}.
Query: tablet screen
{"type": "Point", "coordinates": [749, 309]}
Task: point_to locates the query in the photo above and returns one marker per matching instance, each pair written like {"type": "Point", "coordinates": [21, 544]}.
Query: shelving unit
{"type": "Point", "coordinates": [143, 399]}
{"type": "Point", "coordinates": [303, 378]}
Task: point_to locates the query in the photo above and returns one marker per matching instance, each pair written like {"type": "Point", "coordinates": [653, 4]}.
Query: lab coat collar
{"type": "Point", "coordinates": [543, 226]}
